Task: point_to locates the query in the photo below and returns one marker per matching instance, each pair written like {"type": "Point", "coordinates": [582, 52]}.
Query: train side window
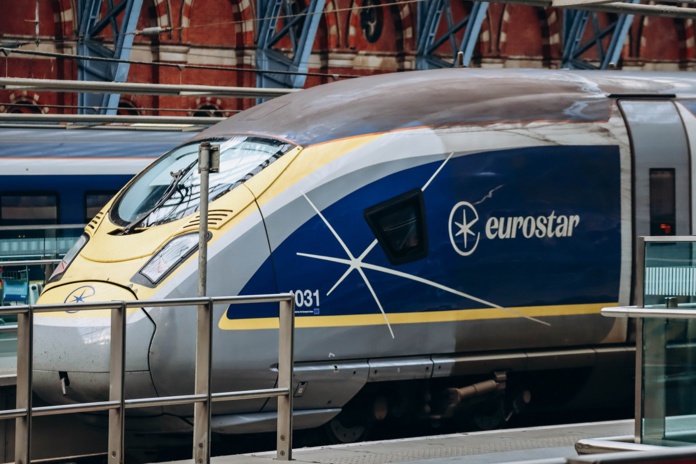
{"type": "Point", "coordinates": [663, 209]}
{"type": "Point", "coordinates": [19, 210]}
{"type": "Point", "coordinates": [399, 225]}
{"type": "Point", "coordinates": [94, 202]}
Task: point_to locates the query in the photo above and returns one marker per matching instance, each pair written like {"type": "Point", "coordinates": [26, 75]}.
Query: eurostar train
{"type": "Point", "coordinates": [450, 237]}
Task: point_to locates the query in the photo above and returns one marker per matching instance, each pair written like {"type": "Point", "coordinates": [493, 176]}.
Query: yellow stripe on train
{"type": "Point", "coordinates": [311, 322]}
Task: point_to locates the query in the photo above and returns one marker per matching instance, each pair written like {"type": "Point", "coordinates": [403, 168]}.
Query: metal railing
{"type": "Point", "coordinates": [202, 398]}
{"type": "Point", "coordinates": [29, 262]}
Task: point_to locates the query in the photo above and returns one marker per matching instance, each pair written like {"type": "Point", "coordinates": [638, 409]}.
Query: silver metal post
{"type": "Point", "coordinates": [638, 296]}
{"type": "Point", "coordinates": [285, 368]}
{"type": "Point", "coordinates": [638, 392]}
{"type": "Point", "coordinates": [204, 171]}
{"type": "Point", "coordinates": [117, 361]}
{"type": "Point", "coordinates": [208, 161]}
{"type": "Point", "coordinates": [201, 411]}
{"type": "Point", "coordinates": [25, 334]}
{"type": "Point", "coordinates": [639, 289]}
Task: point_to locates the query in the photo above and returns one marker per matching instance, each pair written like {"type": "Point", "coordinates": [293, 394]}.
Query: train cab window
{"type": "Point", "coordinates": [170, 188]}
{"type": "Point", "coordinates": [399, 225]}
{"type": "Point", "coordinates": [19, 210]}
{"type": "Point", "coordinates": [663, 215]}
{"type": "Point", "coordinates": [94, 202]}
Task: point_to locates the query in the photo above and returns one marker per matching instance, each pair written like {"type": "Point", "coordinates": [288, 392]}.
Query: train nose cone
{"type": "Point", "coordinates": [71, 348]}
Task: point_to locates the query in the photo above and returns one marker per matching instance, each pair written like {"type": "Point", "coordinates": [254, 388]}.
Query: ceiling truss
{"type": "Point", "coordinates": [287, 30]}
{"type": "Point", "coordinates": [101, 22]}
{"type": "Point", "coordinates": [285, 19]}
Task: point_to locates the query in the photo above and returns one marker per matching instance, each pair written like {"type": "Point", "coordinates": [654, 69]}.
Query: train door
{"type": "Point", "coordinates": [661, 170]}
{"type": "Point", "coordinates": [660, 167]}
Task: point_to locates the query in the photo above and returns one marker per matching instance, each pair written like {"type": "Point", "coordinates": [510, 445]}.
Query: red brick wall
{"type": "Point", "coordinates": [211, 42]}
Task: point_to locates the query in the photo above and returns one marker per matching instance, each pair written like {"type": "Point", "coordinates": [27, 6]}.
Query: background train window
{"type": "Point", "coordinates": [663, 216]}
{"type": "Point", "coordinates": [399, 225]}
{"type": "Point", "coordinates": [19, 210]}
{"type": "Point", "coordinates": [94, 202]}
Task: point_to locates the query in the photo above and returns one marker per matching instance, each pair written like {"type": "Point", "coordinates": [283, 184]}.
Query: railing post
{"type": "Point", "coordinates": [639, 296]}
{"type": "Point", "coordinates": [25, 335]}
{"type": "Point", "coordinates": [201, 411]}
{"type": "Point", "coordinates": [117, 361]}
{"type": "Point", "coordinates": [285, 368]}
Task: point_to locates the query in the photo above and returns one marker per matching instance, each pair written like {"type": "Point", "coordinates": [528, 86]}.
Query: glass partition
{"type": "Point", "coordinates": [668, 412]}
{"type": "Point", "coordinates": [37, 242]}
{"type": "Point", "coordinates": [28, 256]}
{"type": "Point", "coordinates": [21, 283]}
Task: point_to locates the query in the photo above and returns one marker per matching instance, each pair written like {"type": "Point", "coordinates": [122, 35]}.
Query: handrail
{"type": "Point", "coordinates": [29, 262]}
{"type": "Point", "coordinates": [44, 227]}
{"type": "Point", "coordinates": [141, 88]}
{"type": "Point", "coordinates": [117, 404]}
{"type": "Point", "coordinates": [8, 328]}
{"type": "Point", "coordinates": [646, 313]}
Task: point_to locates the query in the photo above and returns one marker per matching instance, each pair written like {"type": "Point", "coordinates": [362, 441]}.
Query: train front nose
{"type": "Point", "coordinates": [71, 348]}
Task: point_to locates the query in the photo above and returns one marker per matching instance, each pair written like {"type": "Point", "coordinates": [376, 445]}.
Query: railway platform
{"type": "Point", "coordinates": [542, 445]}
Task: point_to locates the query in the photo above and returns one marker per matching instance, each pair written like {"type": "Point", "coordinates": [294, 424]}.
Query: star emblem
{"type": "Point", "coordinates": [80, 294]}
{"type": "Point", "coordinates": [465, 228]}
{"type": "Point", "coordinates": [469, 240]}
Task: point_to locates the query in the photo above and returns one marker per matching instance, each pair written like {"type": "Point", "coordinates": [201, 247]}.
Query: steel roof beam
{"type": "Point", "coordinates": [90, 44]}
{"type": "Point", "coordinates": [11, 83]}
{"type": "Point", "coordinates": [299, 27]}
{"type": "Point", "coordinates": [429, 19]}
{"type": "Point", "coordinates": [574, 29]}
{"type": "Point", "coordinates": [576, 17]}
{"type": "Point", "coordinates": [638, 9]}
{"type": "Point", "coordinates": [615, 7]}
{"type": "Point", "coordinates": [108, 119]}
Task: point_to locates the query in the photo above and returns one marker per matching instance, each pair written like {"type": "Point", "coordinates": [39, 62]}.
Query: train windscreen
{"type": "Point", "coordinates": [170, 188]}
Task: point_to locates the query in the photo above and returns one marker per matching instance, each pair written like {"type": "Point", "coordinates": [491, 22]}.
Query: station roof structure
{"type": "Point", "coordinates": [106, 30]}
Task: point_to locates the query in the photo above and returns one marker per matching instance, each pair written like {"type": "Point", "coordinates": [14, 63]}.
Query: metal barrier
{"type": "Point", "coordinates": [202, 398]}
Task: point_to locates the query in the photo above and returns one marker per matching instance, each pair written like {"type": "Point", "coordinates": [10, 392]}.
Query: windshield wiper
{"type": "Point", "coordinates": [171, 189]}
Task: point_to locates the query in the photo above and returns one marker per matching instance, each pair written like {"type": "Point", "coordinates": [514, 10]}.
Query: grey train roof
{"type": "Point", "coordinates": [40, 142]}
{"type": "Point", "coordinates": [445, 97]}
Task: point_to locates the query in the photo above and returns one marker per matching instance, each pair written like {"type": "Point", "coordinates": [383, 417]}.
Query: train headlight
{"type": "Point", "coordinates": [68, 258]}
{"type": "Point", "coordinates": [169, 257]}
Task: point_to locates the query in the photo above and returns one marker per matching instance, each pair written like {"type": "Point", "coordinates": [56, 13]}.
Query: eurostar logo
{"type": "Point", "coordinates": [462, 219]}
{"type": "Point", "coordinates": [80, 294]}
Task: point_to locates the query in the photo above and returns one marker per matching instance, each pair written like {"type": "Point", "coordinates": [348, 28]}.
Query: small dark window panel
{"type": "Point", "coordinates": [94, 202]}
{"type": "Point", "coordinates": [663, 208]}
{"type": "Point", "coordinates": [24, 210]}
{"type": "Point", "coordinates": [399, 225]}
